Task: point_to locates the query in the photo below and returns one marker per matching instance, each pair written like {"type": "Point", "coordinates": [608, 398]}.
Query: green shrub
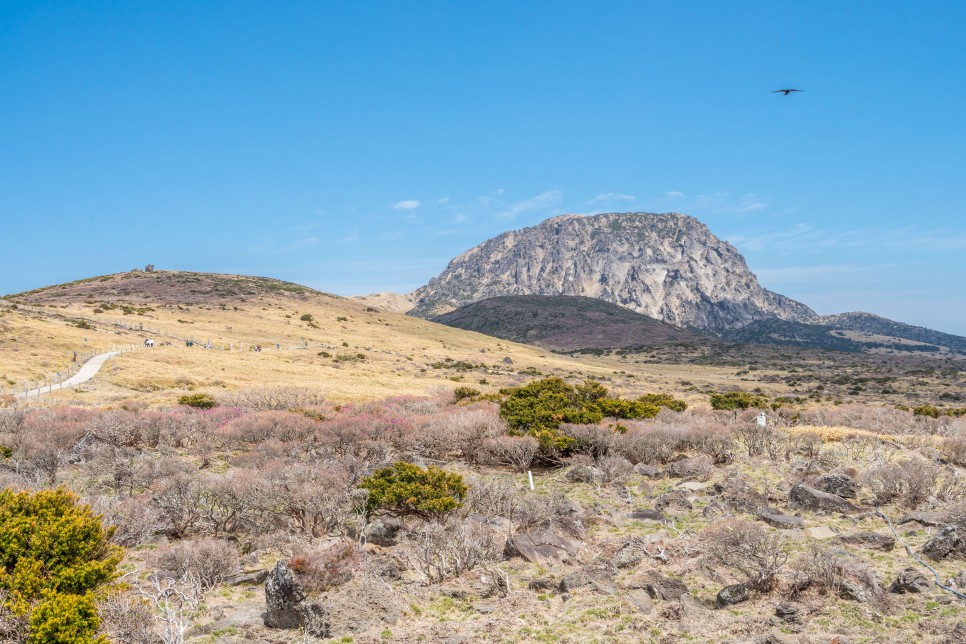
{"type": "Point", "coordinates": [617, 408]}
{"type": "Point", "coordinates": [54, 553]}
{"type": "Point", "coordinates": [404, 489]}
{"type": "Point", "coordinates": [538, 409]}
{"type": "Point", "coordinates": [198, 401]}
{"type": "Point", "coordinates": [664, 400]}
{"type": "Point", "coordinates": [735, 400]}
{"type": "Point", "coordinates": [461, 393]}
{"type": "Point", "coordinates": [926, 410]}
{"type": "Point", "coordinates": [306, 317]}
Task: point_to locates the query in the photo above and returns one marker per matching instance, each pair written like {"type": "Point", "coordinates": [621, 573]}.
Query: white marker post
{"type": "Point", "coordinates": [530, 476]}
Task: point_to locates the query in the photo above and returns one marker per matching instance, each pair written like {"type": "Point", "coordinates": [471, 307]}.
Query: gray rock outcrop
{"type": "Point", "coordinates": [353, 607]}
{"type": "Point", "coordinates": [808, 498]}
{"type": "Point", "coordinates": [666, 266]}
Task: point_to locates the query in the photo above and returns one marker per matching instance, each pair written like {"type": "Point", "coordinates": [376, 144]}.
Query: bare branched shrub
{"type": "Point", "coordinates": [275, 398]}
{"type": "Point", "coordinates": [954, 448]}
{"type": "Point", "coordinates": [209, 561]}
{"type": "Point", "coordinates": [333, 566]}
{"type": "Point", "coordinates": [759, 440]}
{"type": "Point", "coordinates": [492, 497]}
{"type": "Point", "coordinates": [749, 548]}
{"type": "Point", "coordinates": [907, 482]}
{"type": "Point", "coordinates": [950, 485]}
{"type": "Point", "coordinates": [136, 520]}
{"type": "Point", "coordinates": [437, 551]}
{"type": "Point", "coordinates": [646, 445]}
{"type": "Point", "coordinates": [127, 618]}
{"type": "Point", "coordinates": [616, 469]}
{"type": "Point", "coordinates": [833, 570]}
{"type": "Point", "coordinates": [315, 500]}
{"type": "Point", "coordinates": [513, 451]}
{"type": "Point", "coordinates": [552, 509]}
{"type": "Point", "coordinates": [592, 440]}
{"type": "Point", "coordinates": [176, 603]}
{"type": "Point", "coordinates": [179, 499]}
{"type": "Point", "coordinates": [14, 629]}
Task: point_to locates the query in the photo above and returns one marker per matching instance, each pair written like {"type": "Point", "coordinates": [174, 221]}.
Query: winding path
{"type": "Point", "coordinates": [87, 371]}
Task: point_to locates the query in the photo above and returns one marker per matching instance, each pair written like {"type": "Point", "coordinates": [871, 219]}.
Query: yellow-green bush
{"type": "Point", "coordinates": [54, 554]}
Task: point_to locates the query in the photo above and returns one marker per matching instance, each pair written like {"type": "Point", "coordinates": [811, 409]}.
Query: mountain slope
{"type": "Point", "coordinates": [852, 332]}
{"type": "Point", "coordinates": [666, 266]}
{"type": "Point", "coordinates": [566, 323]}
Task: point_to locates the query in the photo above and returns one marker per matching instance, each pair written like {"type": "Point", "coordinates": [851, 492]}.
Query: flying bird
{"type": "Point", "coordinates": [786, 92]}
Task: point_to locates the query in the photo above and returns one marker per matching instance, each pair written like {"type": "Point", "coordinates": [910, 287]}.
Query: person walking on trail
{"type": "Point", "coordinates": [75, 356]}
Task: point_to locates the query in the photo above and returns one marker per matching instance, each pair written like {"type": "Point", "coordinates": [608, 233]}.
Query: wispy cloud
{"type": "Point", "coordinates": [543, 201]}
{"type": "Point", "coordinates": [354, 235]}
{"type": "Point", "coordinates": [406, 204]}
{"type": "Point", "coordinates": [609, 197]}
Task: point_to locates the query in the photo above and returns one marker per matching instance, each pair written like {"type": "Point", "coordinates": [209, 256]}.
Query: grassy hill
{"type": "Point", "coordinates": [566, 323]}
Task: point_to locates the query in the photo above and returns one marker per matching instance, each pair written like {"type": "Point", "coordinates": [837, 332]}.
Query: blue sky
{"type": "Point", "coordinates": [358, 146]}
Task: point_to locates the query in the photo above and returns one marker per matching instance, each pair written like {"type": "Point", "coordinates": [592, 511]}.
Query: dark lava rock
{"type": "Point", "coordinates": [734, 594]}
{"type": "Point", "coordinates": [838, 484]}
{"type": "Point", "coordinates": [807, 497]}
{"type": "Point", "coordinates": [648, 515]}
{"type": "Point", "coordinates": [649, 471]}
{"type": "Point", "coordinates": [657, 585]}
{"type": "Point", "coordinates": [911, 580]}
{"type": "Point", "coordinates": [673, 500]}
{"type": "Point", "coordinates": [545, 545]}
{"type": "Point", "coordinates": [789, 612]}
{"type": "Point", "coordinates": [931, 519]}
{"type": "Point", "coordinates": [692, 467]}
{"type": "Point", "coordinates": [282, 595]}
{"type": "Point", "coordinates": [779, 520]}
{"type": "Point", "coordinates": [872, 540]}
{"type": "Point", "coordinates": [248, 578]}
{"type": "Point", "coordinates": [947, 542]}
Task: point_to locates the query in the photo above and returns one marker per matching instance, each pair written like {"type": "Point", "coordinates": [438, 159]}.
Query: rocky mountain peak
{"type": "Point", "coordinates": [667, 266]}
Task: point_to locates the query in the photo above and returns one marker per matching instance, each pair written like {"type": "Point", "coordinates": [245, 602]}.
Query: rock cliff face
{"type": "Point", "coordinates": [667, 266]}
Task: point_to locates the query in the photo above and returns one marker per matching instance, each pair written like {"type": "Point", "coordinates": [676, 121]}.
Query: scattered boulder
{"type": "Point", "coordinates": [656, 585]}
{"type": "Point", "coordinates": [647, 515]}
{"type": "Point", "coordinates": [910, 580]}
{"type": "Point", "coordinates": [853, 590]}
{"type": "Point", "coordinates": [248, 578]}
{"type": "Point", "coordinates": [821, 532]}
{"type": "Point", "coordinates": [840, 485]}
{"type": "Point", "coordinates": [496, 528]}
{"type": "Point", "coordinates": [949, 541]}
{"type": "Point", "coordinates": [540, 585]}
{"type": "Point", "coordinates": [789, 612]}
{"type": "Point", "coordinates": [733, 594]}
{"type": "Point", "coordinates": [676, 500]}
{"type": "Point", "coordinates": [639, 598]}
{"type": "Point", "coordinates": [692, 467]}
{"type": "Point", "coordinates": [631, 554]}
{"type": "Point", "coordinates": [586, 474]}
{"type": "Point", "coordinates": [739, 495]}
{"type": "Point", "coordinates": [600, 578]}
{"type": "Point", "coordinates": [692, 486]}
{"type": "Point", "coordinates": [544, 545]}
{"type": "Point", "coordinates": [649, 471]}
{"type": "Point", "coordinates": [959, 581]}
{"type": "Point", "coordinates": [871, 540]}
{"type": "Point", "coordinates": [354, 607]}
{"type": "Point", "coordinates": [931, 519]}
{"type": "Point", "coordinates": [779, 520]}
{"type": "Point", "coordinates": [282, 595]}
{"type": "Point", "coordinates": [808, 498]}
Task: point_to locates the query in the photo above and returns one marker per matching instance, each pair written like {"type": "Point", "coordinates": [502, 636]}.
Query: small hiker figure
{"type": "Point", "coordinates": [75, 356]}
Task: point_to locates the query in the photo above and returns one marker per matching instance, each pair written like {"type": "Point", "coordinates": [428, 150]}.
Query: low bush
{"type": "Point", "coordinates": [211, 561]}
{"type": "Point", "coordinates": [749, 548]}
{"type": "Point", "coordinates": [54, 553]}
{"type": "Point", "coordinates": [323, 569]}
{"type": "Point", "coordinates": [198, 401]}
{"type": "Point", "coordinates": [404, 489]}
